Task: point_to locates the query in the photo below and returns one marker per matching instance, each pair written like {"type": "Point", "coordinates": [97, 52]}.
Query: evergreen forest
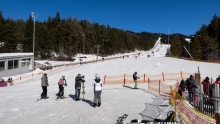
{"type": "Point", "coordinates": [66, 37]}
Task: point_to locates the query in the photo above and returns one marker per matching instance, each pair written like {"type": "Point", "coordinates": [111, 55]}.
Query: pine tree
{"type": "Point", "coordinates": [176, 46]}
{"type": "Point", "coordinates": [196, 48]}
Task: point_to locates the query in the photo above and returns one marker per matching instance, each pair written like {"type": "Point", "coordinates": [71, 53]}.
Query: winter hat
{"type": "Point", "coordinates": [207, 78]}
{"type": "Point", "coordinates": [135, 72]}
{"type": "Point", "coordinates": [63, 76]}
{"type": "Point", "coordinates": [191, 76]}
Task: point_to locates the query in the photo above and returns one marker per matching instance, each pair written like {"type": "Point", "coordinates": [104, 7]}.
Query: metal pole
{"type": "Point", "coordinates": [168, 44]}
{"type": "Point", "coordinates": [33, 42]}
{"type": "Point", "coordinates": [34, 16]}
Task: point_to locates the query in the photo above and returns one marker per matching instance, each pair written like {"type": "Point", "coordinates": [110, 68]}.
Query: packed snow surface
{"type": "Point", "coordinates": [18, 104]}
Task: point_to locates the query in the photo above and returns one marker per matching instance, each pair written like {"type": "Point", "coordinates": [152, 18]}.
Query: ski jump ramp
{"type": "Point", "coordinates": [159, 49]}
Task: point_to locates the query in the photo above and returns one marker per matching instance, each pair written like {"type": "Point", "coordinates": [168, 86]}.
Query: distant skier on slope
{"type": "Point", "coordinates": [44, 85]}
{"type": "Point", "coordinates": [97, 84]}
{"type": "Point", "coordinates": [62, 82]}
{"type": "Point", "coordinates": [135, 80]}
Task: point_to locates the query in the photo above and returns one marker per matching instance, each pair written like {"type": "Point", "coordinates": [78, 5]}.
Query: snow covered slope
{"type": "Point", "coordinates": [18, 106]}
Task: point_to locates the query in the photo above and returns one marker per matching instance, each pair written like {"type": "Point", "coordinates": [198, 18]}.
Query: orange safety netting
{"type": "Point", "coordinates": [187, 112]}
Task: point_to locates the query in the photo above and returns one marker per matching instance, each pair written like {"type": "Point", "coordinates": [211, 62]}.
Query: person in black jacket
{"type": "Point", "coordinates": [135, 80]}
{"type": "Point", "coordinates": [78, 81]}
{"type": "Point", "coordinates": [181, 89]}
{"type": "Point", "coordinates": [189, 84]}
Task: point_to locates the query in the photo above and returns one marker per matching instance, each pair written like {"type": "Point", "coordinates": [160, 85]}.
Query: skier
{"type": "Point", "coordinates": [189, 83]}
{"type": "Point", "coordinates": [97, 84]}
{"type": "Point", "coordinates": [44, 85]}
{"type": "Point", "coordinates": [135, 80]}
{"type": "Point", "coordinates": [62, 82]}
{"type": "Point", "coordinates": [78, 81]}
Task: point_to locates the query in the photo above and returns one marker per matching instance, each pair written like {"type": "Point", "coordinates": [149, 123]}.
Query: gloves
{"type": "Point", "coordinates": [66, 85]}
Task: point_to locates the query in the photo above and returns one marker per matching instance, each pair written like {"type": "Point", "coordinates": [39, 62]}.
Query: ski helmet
{"type": "Point", "coordinates": [97, 76]}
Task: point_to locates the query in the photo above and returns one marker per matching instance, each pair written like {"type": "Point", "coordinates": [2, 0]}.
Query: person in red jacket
{"type": "Point", "coordinates": [206, 85]}
{"type": "Point", "coordinates": [218, 80]}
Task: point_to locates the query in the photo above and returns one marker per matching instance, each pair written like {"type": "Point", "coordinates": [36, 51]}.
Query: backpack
{"type": "Point", "coordinates": [61, 82]}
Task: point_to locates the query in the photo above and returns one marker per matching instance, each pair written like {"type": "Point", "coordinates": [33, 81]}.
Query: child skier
{"type": "Point", "coordinates": [195, 91]}
{"type": "Point", "coordinates": [62, 82]}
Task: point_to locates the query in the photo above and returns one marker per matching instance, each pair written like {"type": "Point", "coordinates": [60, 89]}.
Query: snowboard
{"type": "Point", "coordinates": [83, 89]}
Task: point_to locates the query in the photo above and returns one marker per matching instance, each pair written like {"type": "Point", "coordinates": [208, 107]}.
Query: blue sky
{"type": "Point", "coordinates": [156, 16]}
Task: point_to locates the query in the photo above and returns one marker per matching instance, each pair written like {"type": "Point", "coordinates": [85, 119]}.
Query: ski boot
{"type": "Point", "coordinates": [46, 97]}
{"type": "Point", "coordinates": [94, 105]}
{"type": "Point", "coordinates": [99, 104]}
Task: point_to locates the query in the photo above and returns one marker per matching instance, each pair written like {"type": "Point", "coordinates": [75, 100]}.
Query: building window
{"type": "Point", "coordinates": [28, 61]}
{"type": "Point", "coordinates": [13, 64]}
{"type": "Point", "coordinates": [2, 65]}
{"type": "Point", "coordinates": [23, 62]}
{"type": "Point", "coordinates": [16, 63]}
{"type": "Point", "coordinates": [10, 64]}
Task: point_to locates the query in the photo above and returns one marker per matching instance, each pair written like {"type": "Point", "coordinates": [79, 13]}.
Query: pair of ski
{"type": "Point", "coordinates": [41, 99]}
{"type": "Point", "coordinates": [121, 119]}
{"type": "Point", "coordinates": [59, 98]}
{"type": "Point", "coordinates": [78, 99]}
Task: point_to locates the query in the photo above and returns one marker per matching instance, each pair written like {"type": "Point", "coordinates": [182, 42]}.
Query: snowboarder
{"type": "Point", "coordinates": [135, 80]}
{"type": "Point", "coordinates": [62, 82]}
{"type": "Point", "coordinates": [189, 83]}
{"type": "Point", "coordinates": [97, 84]}
{"type": "Point", "coordinates": [78, 81]}
{"type": "Point", "coordinates": [44, 85]}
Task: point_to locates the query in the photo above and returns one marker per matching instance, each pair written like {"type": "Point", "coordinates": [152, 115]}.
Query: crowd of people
{"type": "Point", "coordinates": [192, 89]}
{"type": "Point", "coordinates": [79, 79]}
